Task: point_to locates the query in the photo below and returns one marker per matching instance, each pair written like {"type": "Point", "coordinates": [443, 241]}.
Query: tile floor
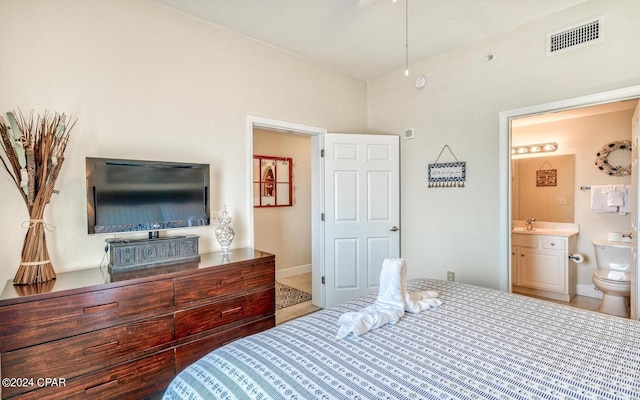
{"type": "Point", "coordinates": [303, 282]}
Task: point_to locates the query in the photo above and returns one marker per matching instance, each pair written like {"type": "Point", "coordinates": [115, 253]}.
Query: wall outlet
{"type": "Point", "coordinates": [451, 276]}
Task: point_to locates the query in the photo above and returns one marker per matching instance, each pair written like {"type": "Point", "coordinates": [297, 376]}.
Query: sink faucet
{"type": "Point", "coordinates": [530, 223]}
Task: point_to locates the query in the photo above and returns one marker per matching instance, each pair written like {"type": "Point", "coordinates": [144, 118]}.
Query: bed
{"type": "Point", "coordinates": [479, 344]}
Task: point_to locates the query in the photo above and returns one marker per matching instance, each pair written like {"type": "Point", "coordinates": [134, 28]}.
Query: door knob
{"type": "Point", "coordinates": [394, 229]}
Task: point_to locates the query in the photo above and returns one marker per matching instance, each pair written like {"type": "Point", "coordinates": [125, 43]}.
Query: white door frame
{"type": "Point", "coordinates": [317, 191]}
{"type": "Point", "coordinates": [627, 93]}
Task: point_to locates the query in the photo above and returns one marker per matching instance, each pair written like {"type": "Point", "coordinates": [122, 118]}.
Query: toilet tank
{"type": "Point", "coordinates": [615, 256]}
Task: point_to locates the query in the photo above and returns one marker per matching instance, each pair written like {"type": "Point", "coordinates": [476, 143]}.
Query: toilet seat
{"type": "Point", "coordinates": [617, 277]}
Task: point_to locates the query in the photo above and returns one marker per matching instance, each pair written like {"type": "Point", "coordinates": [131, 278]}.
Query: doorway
{"type": "Point", "coordinates": [316, 137]}
{"type": "Point", "coordinates": [505, 119]}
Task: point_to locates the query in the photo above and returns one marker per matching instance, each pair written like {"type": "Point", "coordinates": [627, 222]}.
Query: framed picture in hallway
{"type": "Point", "coordinates": [272, 181]}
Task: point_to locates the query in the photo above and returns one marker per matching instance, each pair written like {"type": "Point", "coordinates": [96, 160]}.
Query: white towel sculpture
{"type": "Point", "coordinates": [392, 301]}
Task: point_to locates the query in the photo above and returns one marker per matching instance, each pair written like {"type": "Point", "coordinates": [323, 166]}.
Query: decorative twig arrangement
{"type": "Point", "coordinates": [34, 151]}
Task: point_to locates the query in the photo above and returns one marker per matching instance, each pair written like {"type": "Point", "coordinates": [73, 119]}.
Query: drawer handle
{"type": "Point", "coordinates": [101, 307]}
{"type": "Point", "coordinates": [100, 347]}
{"type": "Point", "coordinates": [552, 244]}
{"type": "Point", "coordinates": [101, 388]}
{"type": "Point", "coordinates": [231, 311]}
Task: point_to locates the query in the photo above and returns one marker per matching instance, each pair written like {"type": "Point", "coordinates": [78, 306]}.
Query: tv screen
{"type": "Point", "coordinates": [136, 195]}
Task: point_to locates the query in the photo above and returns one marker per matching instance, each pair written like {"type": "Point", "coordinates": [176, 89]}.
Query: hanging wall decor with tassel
{"type": "Point", "coordinates": [34, 150]}
{"type": "Point", "coordinates": [448, 174]}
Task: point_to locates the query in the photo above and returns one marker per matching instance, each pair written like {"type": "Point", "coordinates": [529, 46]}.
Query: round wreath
{"type": "Point", "coordinates": [603, 163]}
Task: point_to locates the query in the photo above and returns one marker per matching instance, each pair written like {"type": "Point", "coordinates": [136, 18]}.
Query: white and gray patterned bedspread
{"type": "Point", "coordinates": [479, 344]}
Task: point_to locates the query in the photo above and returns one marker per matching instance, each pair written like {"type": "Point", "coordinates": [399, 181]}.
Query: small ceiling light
{"type": "Point", "coordinates": [534, 148]}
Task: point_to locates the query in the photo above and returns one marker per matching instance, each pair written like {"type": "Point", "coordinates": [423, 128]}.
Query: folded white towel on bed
{"type": "Point", "coordinates": [387, 309]}
{"type": "Point", "coordinates": [418, 301]}
{"type": "Point", "coordinates": [392, 301]}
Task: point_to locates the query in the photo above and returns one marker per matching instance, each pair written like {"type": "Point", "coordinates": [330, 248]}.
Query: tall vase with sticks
{"type": "Point", "coordinates": [34, 150]}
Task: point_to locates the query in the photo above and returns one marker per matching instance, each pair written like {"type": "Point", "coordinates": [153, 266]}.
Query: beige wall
{"type": "Point", "coordinates": [286, 231]}
{"type": "Point", "coordinates": [584, 137]}
{"type": "Point", "coordinates": [147, 82]}
{"type": "Point", "coordinates": [457, 229]}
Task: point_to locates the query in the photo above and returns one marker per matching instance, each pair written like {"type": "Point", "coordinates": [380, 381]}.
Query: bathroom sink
{"type": "Point", "coordinates": [546, 228]}
{"type": "Point", "coordinates": [544, 231]}
{"type": "Point", "coordinates": [522, 229]}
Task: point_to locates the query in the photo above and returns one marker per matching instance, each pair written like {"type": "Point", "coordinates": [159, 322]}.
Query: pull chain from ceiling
{"type": "Point", "coordinates": [406, 38]}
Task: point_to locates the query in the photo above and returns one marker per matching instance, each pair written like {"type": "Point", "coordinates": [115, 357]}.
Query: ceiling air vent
{"type": "Point", "coordinates": [574, 37]}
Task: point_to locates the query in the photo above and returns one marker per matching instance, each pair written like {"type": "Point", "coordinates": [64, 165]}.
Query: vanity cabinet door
{"type": "Point", "coordinates": [514, 266]}
{"type": "Point", "coordinates": [542, 269]}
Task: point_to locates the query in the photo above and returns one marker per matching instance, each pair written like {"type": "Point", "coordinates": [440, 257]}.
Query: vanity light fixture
{"type": "Point", "coordinates": [534, 148]}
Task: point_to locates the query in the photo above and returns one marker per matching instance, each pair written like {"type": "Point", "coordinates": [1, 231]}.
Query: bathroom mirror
{"type": "Point", "coordinates": [543, 188]}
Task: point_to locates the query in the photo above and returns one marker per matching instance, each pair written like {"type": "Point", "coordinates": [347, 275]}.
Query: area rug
{"type": "Point", "coordinates": [287, 296]}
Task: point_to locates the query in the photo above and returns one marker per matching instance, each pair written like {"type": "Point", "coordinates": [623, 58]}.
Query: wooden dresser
{"type": "Point", "coordinates": [88, 335]}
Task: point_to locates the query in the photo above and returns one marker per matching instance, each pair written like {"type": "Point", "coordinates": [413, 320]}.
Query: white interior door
{"type": "Point", "coordinates": [362, 212]}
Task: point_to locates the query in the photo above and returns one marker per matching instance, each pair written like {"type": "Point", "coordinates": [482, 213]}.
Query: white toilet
{"type": "Point", "coordinates": [612, 278]}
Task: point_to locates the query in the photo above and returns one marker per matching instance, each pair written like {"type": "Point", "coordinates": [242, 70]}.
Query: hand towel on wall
{"type": "Point", "coordinates": [615, 199]}
{"type": "Point", "coordinates": [599, 199]}
{"type": "Point", "coordinates": [626, 198]}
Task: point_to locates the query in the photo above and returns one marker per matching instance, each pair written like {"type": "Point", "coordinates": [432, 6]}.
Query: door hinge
{"type": "Point", "coordinates": [322, 217]}
{"type": "Point", "coordinates": [323, 281]}
{"type": "Point", "coordinates": [322, 153]}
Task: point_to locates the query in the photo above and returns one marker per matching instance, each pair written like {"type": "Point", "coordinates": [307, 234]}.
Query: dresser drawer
{"type": "Point", "coordinates": [133, 380]}
{"type": "Point", "coordinates": [225, 280]}
{"type": "Point", "coordinates": [193, 351]}
{"type": "Point", "coordinates": [213, 315]}
{"type": "Point", "coordinates": [88, 352]}
{"type": "Point", "coordinates": [42, 321]}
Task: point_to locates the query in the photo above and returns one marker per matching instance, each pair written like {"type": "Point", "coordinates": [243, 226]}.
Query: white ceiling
{"type": "Point", "coordinates": [368, 41]}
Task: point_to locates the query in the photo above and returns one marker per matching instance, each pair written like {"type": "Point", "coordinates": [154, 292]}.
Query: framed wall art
{"type": "Point", "coordinates": [447, 175]}
{"type": "Point", "coordinates": [272, 181]}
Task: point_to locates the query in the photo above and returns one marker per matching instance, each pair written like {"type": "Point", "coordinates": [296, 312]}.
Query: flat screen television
{"type": "Point", "coordinates": [137, 195]}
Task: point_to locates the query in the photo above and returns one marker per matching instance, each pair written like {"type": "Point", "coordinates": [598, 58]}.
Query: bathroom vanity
{"type": "Point", "coordinates": [540, 263]}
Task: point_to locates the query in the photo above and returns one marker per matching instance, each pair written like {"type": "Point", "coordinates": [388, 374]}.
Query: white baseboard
{"type": "Point", "coordinates": [302, 269]}
{"type": "Point", "coordinates": [584, 289]}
